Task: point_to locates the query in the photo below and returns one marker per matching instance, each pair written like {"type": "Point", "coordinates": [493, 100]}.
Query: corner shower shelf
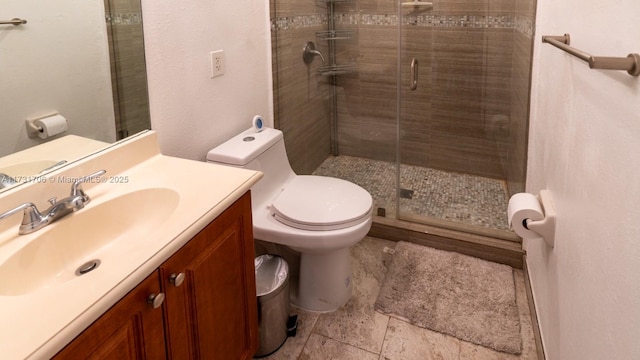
{"type": "Point", "coordinates": [334, 35]}
{"type": "Point", "coordinates": [330, 70]}
{"type": "Point", "coordinates": [331, 35]}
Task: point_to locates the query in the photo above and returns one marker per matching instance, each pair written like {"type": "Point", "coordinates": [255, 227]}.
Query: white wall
{"type": "Point", "coordinates": [57, 62]}
{"type": "Point", "coordinates": [190, 111]}
{"type": "Point", "coordinates": [585, 147]}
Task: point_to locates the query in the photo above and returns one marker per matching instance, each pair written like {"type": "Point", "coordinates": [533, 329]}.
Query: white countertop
{"type": "Point", "coordinates": [38, 324]}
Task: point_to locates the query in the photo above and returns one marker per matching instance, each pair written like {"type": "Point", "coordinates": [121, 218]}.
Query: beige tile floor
{"type": "Point", "coordinates": [358, 332]}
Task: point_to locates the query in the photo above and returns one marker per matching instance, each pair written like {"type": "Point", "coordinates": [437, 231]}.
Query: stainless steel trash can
{"type": "Point", "coordinates": [272, 289]}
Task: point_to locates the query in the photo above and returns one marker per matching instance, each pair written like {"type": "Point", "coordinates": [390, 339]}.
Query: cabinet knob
{"type": "Point", "coordinates": [156, 300]}
{"type": "Point", "coordinates": [176, 279]}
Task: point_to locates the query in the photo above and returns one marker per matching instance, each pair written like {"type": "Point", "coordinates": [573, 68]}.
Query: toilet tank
{"type": "Point", "coordinates": [262, 151]}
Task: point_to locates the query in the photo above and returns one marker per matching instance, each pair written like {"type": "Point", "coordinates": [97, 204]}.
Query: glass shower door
{"type": "Point", "coordinates": [414, 109]}
{"type": "Point", "coordinates": [128, 67]}
{"type": "Point", "coordinates": [454, 105]}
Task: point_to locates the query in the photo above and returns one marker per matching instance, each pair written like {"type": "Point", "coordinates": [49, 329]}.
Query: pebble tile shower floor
{"type": "Point", "coordinates": [463, 198]}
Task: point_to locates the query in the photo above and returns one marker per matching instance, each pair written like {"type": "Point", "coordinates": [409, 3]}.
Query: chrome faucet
{"type": "Point", "coordinates": [34, 220]}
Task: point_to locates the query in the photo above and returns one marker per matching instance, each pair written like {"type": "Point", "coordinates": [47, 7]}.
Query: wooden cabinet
{"type": "Point", "coordinates": [210, 309]}
{"type": "Point", "coordinates": [131, 329]}
{"type": "Point", "coordinates": [212, 314]}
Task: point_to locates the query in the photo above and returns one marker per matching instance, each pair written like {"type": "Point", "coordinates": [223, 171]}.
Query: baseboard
{"type": "Point", "coordinates": [532, 309]}
{"type": "Point", "coordinates": [484, 247]}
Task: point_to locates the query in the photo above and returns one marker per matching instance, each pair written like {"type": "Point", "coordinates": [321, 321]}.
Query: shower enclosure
{"type": "Point", "coordinates": [128, 69]}
{"type": "Point", "coordinates": [423, 104]}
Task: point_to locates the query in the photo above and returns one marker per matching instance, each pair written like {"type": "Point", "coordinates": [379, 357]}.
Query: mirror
{"type": "Point", "coordinates": [81, 59]}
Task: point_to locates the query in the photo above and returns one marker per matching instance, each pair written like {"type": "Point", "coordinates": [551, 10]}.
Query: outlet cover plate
{"type": "Point", "coordinates": [217, 63]}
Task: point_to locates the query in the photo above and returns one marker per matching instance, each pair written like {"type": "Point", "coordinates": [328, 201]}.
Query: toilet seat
{"type": "Point", "coordinates": [319, 203]}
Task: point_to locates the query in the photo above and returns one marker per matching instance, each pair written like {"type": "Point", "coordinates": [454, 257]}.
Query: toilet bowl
{"type": "Point", "coordinates": [319, 217]}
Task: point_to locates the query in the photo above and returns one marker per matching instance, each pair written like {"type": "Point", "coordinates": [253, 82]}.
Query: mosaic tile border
{"type": "Point", "coordinates": [298, 22]}
{"type": "Point", "coordinates": [457, 21]}
{"type": "Point", "coordinates": [347, 19]}
{"type": "Point", "coordinates": [124, 19]}
{"type": "Point", "coordinates": [520, 24]}
{"type": "Point", "coordinates": [525, 26]}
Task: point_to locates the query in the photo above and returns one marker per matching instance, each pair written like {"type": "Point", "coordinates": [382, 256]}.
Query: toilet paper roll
{"type": "Point", "coordinates": [523, 206]}
{"type": "Point", "coordinates": [51, 125]}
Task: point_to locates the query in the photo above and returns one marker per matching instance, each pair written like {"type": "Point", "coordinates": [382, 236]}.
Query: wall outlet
{"type": "Point", "coordinates": [217, 63]}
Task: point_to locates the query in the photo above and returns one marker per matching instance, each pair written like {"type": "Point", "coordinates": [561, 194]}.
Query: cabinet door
{"type": "Point", "coordinates": [131, 329]}
{"type": "Point", "coordinates": [211, 311]}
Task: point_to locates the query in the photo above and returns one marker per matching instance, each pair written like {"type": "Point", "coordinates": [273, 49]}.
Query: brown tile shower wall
{"type": "Point", "coordinates": [128, 68]}
{"type": "Point", "coordinates": [366, 99]}
{"type": "Point", "coordinates": [301, 105]}
{"type": "Point", "coordinates": [469, 78]}
{"type": "Point", "coordinates": [469, 110]}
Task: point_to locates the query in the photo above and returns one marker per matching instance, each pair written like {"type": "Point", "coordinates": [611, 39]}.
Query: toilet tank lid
{"type": "Point", "coordinates": [244, 147]}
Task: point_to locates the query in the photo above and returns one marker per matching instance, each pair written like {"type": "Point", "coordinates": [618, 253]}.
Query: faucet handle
{"type": "Point", "coordinates": [31, 214]}
{"type": "Point", "coordinates": [76, 188]}
{"type": "Point", "coordinates": [309, 52]}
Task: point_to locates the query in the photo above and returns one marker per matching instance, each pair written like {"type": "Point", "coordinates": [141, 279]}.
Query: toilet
{"type": "Point", "coordinates": [319, 217]}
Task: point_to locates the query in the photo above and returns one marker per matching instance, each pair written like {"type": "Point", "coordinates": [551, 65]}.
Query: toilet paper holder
{"type": "Point", "coordinates": [35, 130]}
{"type": "Point", "coordinates": [32, 128]}
{"type": "Point", "coordinates": [546, 227]}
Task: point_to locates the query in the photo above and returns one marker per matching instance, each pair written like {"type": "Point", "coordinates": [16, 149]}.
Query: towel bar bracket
{"type": "Point", "coordinates": [635, 70]}
{"type": "Point", "coordinates": [565, 39]}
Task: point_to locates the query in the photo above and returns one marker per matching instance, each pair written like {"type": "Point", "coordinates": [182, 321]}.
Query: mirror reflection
{"type": "Point", "coordinates": [77, 69]}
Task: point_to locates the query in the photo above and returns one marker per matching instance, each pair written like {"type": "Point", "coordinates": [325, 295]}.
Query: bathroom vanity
{"type": "Point", "coordinates": [173, 246]}
{"type": "Point", "coordinates": [203, 298]}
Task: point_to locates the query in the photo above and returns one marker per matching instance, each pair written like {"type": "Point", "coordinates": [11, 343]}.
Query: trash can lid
{"type": "Point", "coordinates": [271, 272]}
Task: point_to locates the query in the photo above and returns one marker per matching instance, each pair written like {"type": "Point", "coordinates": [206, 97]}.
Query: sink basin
{"type": "Point", "coordinates": [91, 233]}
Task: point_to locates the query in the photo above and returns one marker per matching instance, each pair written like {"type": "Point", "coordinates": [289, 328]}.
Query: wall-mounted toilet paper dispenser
{"type": "Point", "coordinates": [46, 126]}
{"type": "Point", "coordinates": [533, 216]}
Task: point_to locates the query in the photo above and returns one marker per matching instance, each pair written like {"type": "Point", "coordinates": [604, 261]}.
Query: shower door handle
{"type": "Point", "coordinates": [414, 74]}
